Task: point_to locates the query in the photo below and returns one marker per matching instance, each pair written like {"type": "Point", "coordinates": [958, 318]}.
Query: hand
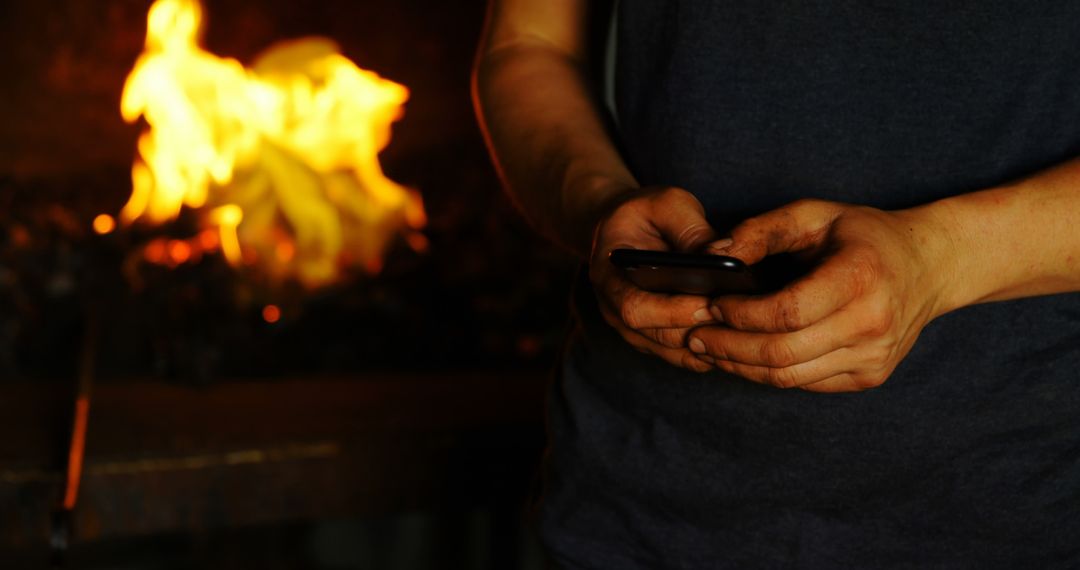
{"type": "Point", "coordinates": [879, 279]}
{"type": "Point", "coordinates": [653, 323]}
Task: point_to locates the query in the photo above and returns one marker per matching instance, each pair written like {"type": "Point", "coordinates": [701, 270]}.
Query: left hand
{"type": "Point", "coordinates": [880, 278]}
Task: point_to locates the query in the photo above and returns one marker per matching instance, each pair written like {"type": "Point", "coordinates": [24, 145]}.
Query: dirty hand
{"type": "Point", "coordinates": [664, 219]}
{"type": "Point", "coordinates": [878, 279]}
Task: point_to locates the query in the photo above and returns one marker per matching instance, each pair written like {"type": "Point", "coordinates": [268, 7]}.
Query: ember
{"type": "Point", "coordinates": [280, 159]}
{"type": "Point", "coordinates": [104, 224]}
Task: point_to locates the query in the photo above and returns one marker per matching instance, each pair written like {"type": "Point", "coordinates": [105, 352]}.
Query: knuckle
{"type": "Point", "coordinates": [634, 202]}
{"type": "Point", "coordinates": [783, 378]}
{"type": "Point", "coordinates": [661, 196]}
{"type": "Point", "coordinates": [748, 227]}
{"type": "Point", "coordinates": [671, 338]}
{"type": "Point", "coordinates": [671, 193]}
{"type": "Point", "coordinates": [732, 313]}
{"type": "Point", "coordinates": [869, 380]}
{"type": "Point", "coordinates": [880, 357]}
{"type": "Point", "coordinates": [777, 353]}
{"type": "Point", "coordinates": [692, 235]}
{"type": "Point", "coordinates": [866, 270]}
{"type": "Point", "coordinates": [747, 317]}
{"type": "Point", "coordinates": [804, 203]}
{"type": "Point", "coordinates": [816, 206]}
{"type": "Point", "coordinates": [629, 314]}
{"type": "Point", "coordinates": [879, 321]}
{"type": "Point", "coordinates": [788, 315]}
{"type": "Point", "coordinates": [716, 350]}
{"type": "Point", "coordinates": [691, 363]}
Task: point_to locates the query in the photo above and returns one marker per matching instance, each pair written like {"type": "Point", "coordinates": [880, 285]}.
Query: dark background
{"type": "Point", "coordinates": [390, 421]}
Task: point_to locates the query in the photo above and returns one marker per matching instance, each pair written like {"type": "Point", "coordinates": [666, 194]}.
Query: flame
{"type": "Point", "coordinates": [280, 159]}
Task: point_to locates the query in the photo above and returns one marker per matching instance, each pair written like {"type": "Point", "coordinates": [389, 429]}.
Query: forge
{"type": "Point", "coordinates": [457, 282]}
{"type": "Point", "coordinates": [370, 316]}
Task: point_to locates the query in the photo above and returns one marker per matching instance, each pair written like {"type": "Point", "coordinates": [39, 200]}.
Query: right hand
{"type": "Point", "coordinates": [660, 218]}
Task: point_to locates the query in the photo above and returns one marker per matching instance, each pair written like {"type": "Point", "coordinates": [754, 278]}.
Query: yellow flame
{"type": "Point", "coordinates": [282, 157]}
{"type": "Point", "coordinates": [228, 218]}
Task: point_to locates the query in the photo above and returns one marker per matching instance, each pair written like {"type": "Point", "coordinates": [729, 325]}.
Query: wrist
{"type": "Point", "coordinates": [587, 201]}
{"type": "Point", "coordinates": [1017, 240]}
{"type": "Point", "coordinates": [939, 242]}
{"type": "Point", "coordinates": [989, 258]}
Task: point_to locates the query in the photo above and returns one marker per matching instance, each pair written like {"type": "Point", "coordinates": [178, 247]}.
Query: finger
{"type": "Point", "coordinates": [680, 219]}
{"type": "Point", "coordinates": [795, 227]}
{"type": "Point", "coordinates": [846, 382]}
{"type": "Point", "coordinates": [670, 218]}
{"type": "Point", "coordinates": [669, 337]}
{"type": "Point", "coordinates": [777, 350]}
{"type": "Point", "coordinates": [640, 309]}
{"type": "Point", "coordinates": [832, 364]}
{"type": "Point", "coordinates": [679, 357]}
{"type": "Point", "coordinates": [676, 356]}
{"type": "Point", "coordinates": [718, 247]}
{"type": "Point", "coordinates": [844, 276]}
{"type": "Point", "coordinates": [798, 226]}
{"type": "Point", "coordinates": [866, 378]}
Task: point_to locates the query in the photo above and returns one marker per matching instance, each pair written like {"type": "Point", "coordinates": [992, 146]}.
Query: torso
{"type": "Point", "coordinates": [969, 452]}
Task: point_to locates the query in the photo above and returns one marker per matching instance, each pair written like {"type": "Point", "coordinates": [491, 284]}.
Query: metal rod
{"type": "Point", "coordinates": [63, 518]}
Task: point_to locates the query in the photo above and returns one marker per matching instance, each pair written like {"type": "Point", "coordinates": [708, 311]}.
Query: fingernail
{"type": "Point", "coordinates": [702, 315]}
{"type": "Point", "coordinates": [720, 245]}
{"type": "Point", "coordinates": [706, 358]}
{"type": "Point", "coordinates": [715, 313]}
{"type": "Point", "coordinates": [697, 346]}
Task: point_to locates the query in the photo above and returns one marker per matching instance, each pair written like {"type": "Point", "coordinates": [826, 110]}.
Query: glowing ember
{"type": "Point", "coordinates": [281, 160]}
{"type": "Point", "coordinates": [104, 224]}
{"type": "Point", "coordinates": [271, 314]}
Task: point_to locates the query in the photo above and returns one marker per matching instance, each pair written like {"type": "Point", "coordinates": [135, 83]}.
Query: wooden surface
{"type": "Point", "coordinates": [166, 458]}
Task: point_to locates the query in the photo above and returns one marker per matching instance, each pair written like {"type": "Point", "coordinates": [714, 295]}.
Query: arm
{"type": "Point", "coordinates": [541, 120]}
{"type": "Point", "coordinates": [882, 276]}
{"type": "Point", "coordinates": [552, 149]}
{"type": "Point", "coordinates": [1015, 241]}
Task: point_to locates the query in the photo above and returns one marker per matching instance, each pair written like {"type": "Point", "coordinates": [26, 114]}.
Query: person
{"type": "Point", "coordinates": [913, 401]}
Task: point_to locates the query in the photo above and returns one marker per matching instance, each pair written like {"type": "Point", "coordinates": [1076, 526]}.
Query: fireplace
{"type": "Point", "coordinates": [410, 385]}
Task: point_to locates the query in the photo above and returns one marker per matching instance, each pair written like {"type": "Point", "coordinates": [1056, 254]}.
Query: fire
{"type": "Point", "coordinates": [281, 159]}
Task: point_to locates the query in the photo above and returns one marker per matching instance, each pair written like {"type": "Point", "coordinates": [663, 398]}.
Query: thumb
{"type": "Point", "coordinates": [797, 226]}
{"type": "Point", "coordinates": [680, 219]}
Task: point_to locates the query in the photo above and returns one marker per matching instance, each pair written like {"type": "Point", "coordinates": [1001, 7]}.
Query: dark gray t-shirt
{"type": "Point", "coordinates": [969, 456]}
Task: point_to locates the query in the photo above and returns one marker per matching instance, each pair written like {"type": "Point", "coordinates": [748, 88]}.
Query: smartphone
{"type": "Point", "coordinates": [690, 273]}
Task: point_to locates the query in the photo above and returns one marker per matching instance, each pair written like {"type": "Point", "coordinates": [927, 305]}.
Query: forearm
{"type": "Point", "coordinates": [550, 144]}
{"type": "Point", "coordinates": [1018, 240]}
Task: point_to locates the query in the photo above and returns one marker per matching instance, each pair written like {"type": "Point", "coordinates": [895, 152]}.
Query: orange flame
{"type": "Point", "coordinates": [280, 159]}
